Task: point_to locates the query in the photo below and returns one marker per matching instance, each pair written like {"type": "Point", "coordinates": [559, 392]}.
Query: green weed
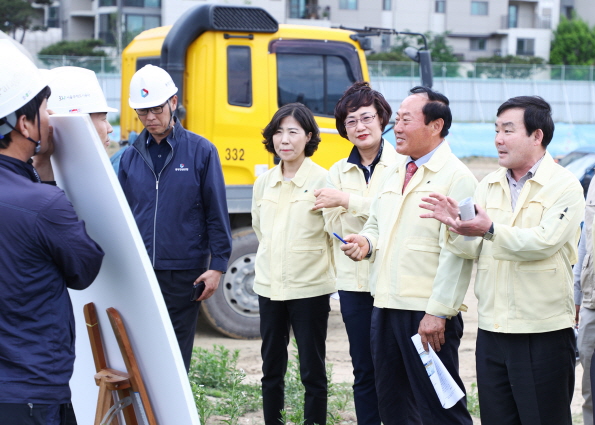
{"type": "Point", "coordinates": [219, 389]}
{"type": "Point", "coordinates": [473, 401]}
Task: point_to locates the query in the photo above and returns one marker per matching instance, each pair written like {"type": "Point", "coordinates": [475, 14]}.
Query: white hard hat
{"type": "Point", "coordinates": [150, 86]}
{"type": "Point", "coordinates": [76, 89]}
{"type": "Point", "coordinates": [20, 80]}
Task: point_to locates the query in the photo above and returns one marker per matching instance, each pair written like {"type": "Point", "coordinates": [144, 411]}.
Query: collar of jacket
{"type": "Point", "coordinates": [140, 144]}
{"type": "Point", "coordinates": [383, 157]}
{"type": "Point", "coordinates": [300, 176]}
{"type": "Point", "coordinates": [439, 158]}
{"type": "Point", "coordinates": [17, 166]}
{"type": "Point", "coordinates": [141, 141]}
{"type": "Point", "coordinates": [544, 172]}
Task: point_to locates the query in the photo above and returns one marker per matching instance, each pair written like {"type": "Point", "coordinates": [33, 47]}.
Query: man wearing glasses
{"type": "Point", "coordinates": [174, 185]}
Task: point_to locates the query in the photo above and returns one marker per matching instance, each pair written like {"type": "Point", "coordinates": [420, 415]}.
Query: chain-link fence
{"type": "Point", "coordinates": [485, 70]}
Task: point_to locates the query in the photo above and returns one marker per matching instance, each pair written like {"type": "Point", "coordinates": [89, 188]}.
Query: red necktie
{"type": "Point", "coordinates": [411, 169]}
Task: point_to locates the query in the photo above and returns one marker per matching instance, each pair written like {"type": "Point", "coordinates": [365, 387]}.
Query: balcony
{"type": "Point", "coordinates": [537, 22]}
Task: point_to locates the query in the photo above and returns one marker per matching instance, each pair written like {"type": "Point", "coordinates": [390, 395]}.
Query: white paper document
{"type": "Point", "coordinates": [467, 212]}
{"type": "Point", "coordinates": [446, 388]}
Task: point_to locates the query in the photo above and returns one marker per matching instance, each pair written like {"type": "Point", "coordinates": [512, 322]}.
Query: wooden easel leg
{"type": "Point", "coordinates": [104, 401]}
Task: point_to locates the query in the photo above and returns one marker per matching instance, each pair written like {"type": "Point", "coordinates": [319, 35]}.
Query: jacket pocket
{"type": "Point", "coordinates": [541, 289]}
{"type": "Point", "coordinates": [417, 267]}
{"type": "Point", "coordinates": [531, 214]}
{"type": "Point", "coordinates": [308, 262]}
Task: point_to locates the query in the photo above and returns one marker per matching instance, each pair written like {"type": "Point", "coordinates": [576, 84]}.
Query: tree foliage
{"type": "Point", "coordinates": [508, 66]}
{"type": "Point", "coordinates": [437, 44]}
{"type": "Point", "coordinates": [573, 44]}
{"type": "Point", "coordinates": [74, 48]}
{"type": "Point", "coordinates": [19, 15]}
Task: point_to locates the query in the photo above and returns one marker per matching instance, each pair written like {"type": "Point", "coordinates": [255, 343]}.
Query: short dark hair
{"type": "Point", "coordinates": [303, 116]}
{"type": "Point", "coordinates": [437, 107]}
{"type": "Point", "coordinates": [361, 94]}
{"type": "Point", "coordinates": [29, 110]}
{"type": "Point", "coordinates": [537, 115]}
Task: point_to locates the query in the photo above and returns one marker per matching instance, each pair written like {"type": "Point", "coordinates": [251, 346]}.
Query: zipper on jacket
{"type": "Point", "coordinates": [157, 176]}
{"type": "Point", "coordinates": [30, 408]}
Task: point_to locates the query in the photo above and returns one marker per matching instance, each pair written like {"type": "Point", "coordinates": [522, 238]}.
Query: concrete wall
{"type": "Point", "coordinates": [585, 9]}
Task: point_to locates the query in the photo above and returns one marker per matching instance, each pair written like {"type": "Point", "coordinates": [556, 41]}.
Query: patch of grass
{"type": "Point", "coordinates": [473, 401]}
{"type": "Point", "coordinates": [219, 390]}
{"type": "Point", "coordinates": [218, 386]}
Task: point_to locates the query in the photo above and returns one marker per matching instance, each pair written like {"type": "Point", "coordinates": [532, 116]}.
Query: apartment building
{"type": "Point", "coordinates": [476, 28]}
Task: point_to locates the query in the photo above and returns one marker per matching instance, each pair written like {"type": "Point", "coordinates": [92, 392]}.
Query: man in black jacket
{"type": "Point", "coordinates": [173, 182]}
{"type": "Point", "coordinates": [44, 249]}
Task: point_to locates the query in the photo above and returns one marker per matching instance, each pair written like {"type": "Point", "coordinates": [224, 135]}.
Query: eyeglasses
{"type": "Point", "coordinates": [154, 110]}
{"type": "Point", "coordinates": [366, 119]}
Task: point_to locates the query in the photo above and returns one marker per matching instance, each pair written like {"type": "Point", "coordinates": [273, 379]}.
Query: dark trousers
{"type": "Point", "coordinates": [356, 309]}
{"type": "Point", "coordinates": [308, 318]}
{"type": "Point", "coordinates": [405, 393]}
{"type": "Point", "coordinates": [176, 286]}
{"type": "Point", "coordinates": [36, 414]}
{"type": "Point", "coordinates": [525, 379]}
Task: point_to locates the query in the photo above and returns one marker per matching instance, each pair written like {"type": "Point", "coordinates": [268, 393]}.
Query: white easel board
{"type": "Point", "coordinates": [126, 281]}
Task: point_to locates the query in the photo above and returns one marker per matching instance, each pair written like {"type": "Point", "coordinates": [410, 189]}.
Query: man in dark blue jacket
{"type": "Point", "coordinates": [173, 182]}
{"type": "Point", "coordinates": [44, 249]}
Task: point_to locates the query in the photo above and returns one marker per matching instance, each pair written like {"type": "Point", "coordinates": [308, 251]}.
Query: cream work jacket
{"type": "Point", "coordinates": [411, 269]}
{"type": "Point", "coordinates": [524, 280]}
{"type": "Point", "coordinates": [294, 258]}
{"type": "Point", "coordinates": [349, 178]}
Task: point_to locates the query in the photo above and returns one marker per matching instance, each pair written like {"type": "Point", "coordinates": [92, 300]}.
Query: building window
{"type": "Point", "coordinates": [386, 5]}
{"type": "Point", "coordinates": [513, 16]}
{"type": "Point", "coordinates": [239, 76]}
{"type": "Point", "coordinates": [103, 3]}
{"type": "Point", "coordinates": [107, 29]}
{"type": "Point", "coordinates": [440, 6]}
{"type": "Point", "coordinates": [478, 43]}
{"type": "Point", "coordinates": [348, 4]}
{"type": "Point", "coordinates": [525, 47]}
{"type": "Point", "coordinates": [479, 7]}
{"type": "Point", "coordinates": [142, 3]}
{"type": "Point", "coordinates": [53, 17]}
{"type": "Point", "coordinates": [304, 9]}
{"type": "Point", "coordinates": [135, 24]}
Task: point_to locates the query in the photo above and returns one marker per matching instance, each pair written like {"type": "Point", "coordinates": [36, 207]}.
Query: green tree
{"type": "Point", "coordinates": [437, 44]}
{"type": "Point", "coordinates": [19, 15]}
{"type": "Point", "coordinates": [83, 53]}
{"type": "Point", "coordinates": [74, 48]}
{"type": "Point", "coordinates": [573, 44]}
{"type": "Point", "coordinates": [508, 66]}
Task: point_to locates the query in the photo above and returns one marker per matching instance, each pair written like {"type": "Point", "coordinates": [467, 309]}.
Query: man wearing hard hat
{"type": "Point", "coordinates": [173, 182]}
{"type": "Point", "coordinates": [77, 90]}
{"type": "Point", "coordinates": [44, 249]}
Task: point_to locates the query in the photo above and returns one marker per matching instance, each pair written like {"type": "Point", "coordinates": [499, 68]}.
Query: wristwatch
{"type": "Point", "coordinates": [489, 235]}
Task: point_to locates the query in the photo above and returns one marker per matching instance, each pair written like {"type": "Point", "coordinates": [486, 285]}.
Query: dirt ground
{"type": "Point", "coordinates": [338, 348]}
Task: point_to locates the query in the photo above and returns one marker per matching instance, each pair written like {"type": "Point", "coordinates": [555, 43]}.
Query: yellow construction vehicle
{"type": "Point", "coordinates": [234, 67]}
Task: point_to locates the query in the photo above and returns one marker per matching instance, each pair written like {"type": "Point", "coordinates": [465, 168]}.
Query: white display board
{"type": "Point", "coordinates": [126, 281]}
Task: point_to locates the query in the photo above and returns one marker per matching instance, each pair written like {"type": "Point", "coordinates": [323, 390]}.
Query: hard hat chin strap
{"type": "Point", "coordinates": [8, 124]}
{"type": "Point", "coordinates": [171, 117]}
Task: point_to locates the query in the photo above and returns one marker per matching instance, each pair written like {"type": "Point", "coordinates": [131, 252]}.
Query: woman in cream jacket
{"type": "Point", "coordinates": [294, 270]}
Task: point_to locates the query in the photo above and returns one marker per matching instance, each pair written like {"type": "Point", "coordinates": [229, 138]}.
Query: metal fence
{"type": "Point", "coordinates": [485, 71]}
